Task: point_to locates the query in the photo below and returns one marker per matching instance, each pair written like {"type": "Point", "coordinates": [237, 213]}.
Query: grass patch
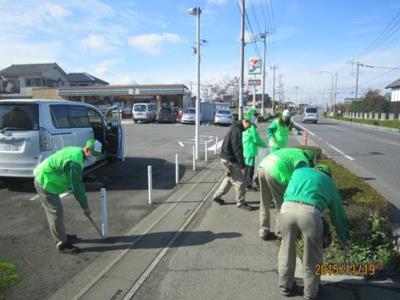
{"type": "Point", "coordinates": [383, 123]}
{"type": "Point", "coordinates": [8, 275]}
{"type": "Point", "coordinates": [370, 231]}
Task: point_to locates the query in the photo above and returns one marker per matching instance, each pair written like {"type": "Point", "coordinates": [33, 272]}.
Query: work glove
{"type": "Point", "coordinates": [87, 212]}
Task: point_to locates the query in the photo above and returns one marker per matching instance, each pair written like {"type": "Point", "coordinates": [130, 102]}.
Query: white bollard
{"type": "Point", "coordinates": [150, 182]}
{"type": "Point", "coordinates": [216, 145]}
{"type": "Point", "coordinates": [205, 151]}
{"type": "Point", "coordinates": [176, 169]}
{"type": "Point", "coordinates": [194, 158]}
{"type": "Point", "coordinates": [103, 207]}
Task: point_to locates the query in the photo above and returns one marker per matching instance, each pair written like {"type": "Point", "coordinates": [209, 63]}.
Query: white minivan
{"type": "Point", "coordinates": [31, 130]}
{"type": "Point", "coordinates": [143, 112]}
{"type": "Point", "coordinates": [310, 114]}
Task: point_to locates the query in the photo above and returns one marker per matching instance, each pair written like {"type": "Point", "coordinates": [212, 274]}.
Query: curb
{"type": "Point", "coordinates": [395, 130]}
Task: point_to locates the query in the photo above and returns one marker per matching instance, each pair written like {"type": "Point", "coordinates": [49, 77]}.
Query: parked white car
{"type": "Point", "coordinates": [189, 116]}
{"type": "Point", "coordinates": [310, 115]}
{"type": "Point", "coordinates": [223, 117]}
{"type": "Point", "coordinates": [31, 130]}
{"type": "Point", "coordinates": [143, 112]}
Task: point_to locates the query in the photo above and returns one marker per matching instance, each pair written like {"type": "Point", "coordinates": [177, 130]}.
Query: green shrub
{"type": "Point", "coordinates": [370, 232]}
{"type": "Point", "coordinates": [8, 275]}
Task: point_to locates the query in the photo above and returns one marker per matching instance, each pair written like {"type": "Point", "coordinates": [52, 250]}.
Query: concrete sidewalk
{"type": "Point", "coordinates": [192, 248]}
{"type": "Point", "coordinates": [236, 264]}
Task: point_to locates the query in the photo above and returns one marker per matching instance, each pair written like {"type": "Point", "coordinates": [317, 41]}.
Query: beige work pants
{"type": "Point", "coordinates": [233, 177]}
{"type": "Point", "coordinates": [294, 218]}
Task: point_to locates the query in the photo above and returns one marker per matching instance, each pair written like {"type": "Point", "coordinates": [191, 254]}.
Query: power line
{"type": "Point", "coordinates": [388, 31]}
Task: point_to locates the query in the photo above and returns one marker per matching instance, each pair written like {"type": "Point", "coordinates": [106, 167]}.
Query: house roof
{"type": "Point", "coordinates": [30, 69]}
{"type": "Point", "coordinates": [394, 84]}
{"type": "Point", "coordinates": [84, 78]}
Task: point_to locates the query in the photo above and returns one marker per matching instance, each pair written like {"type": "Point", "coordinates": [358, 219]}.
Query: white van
{"type": "Point", "coordinates": [31, 130]}
{"type": "Point", "coordinates": [310, 114]}
{"type": "Point", "coordinates": [143, 112]}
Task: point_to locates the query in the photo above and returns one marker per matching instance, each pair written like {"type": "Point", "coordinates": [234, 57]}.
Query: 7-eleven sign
{"type": "Point", "coordinates": [254, 65]}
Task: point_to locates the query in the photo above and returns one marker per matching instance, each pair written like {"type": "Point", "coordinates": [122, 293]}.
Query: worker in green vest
{"type": "Point", "coordinates": [278, 131]}
{"type": "Point", "coordinates": [274, 174]}
{"type": "Point", "coordinates": [60, 172]}
{"type": "Point", "coordinates": [309, 193]}
{"type": "Point", "coordinates": [251, 140]}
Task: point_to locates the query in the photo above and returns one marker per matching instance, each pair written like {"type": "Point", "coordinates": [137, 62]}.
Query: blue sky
{"type": "Point", "coordinates": [149, 41]}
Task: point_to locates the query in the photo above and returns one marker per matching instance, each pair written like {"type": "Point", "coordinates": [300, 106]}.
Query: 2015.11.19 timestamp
{"type": "Point", "coordinates": [351, 269]}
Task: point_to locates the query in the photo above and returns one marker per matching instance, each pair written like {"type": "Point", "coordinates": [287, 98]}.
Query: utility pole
{"type": "Point", "coordinates": [242, 44]}
{"type": "Point", "coordinates": [273, 84]}
{"type": "Point", "coordinates": [264, 36]}
{"type": "Point", "coordinates": [357, 74]}
{"type": "Point", "coordinates": [334, 98]}
{"type": "Point", "coordinates": [297, 88]}
{"type": "Point", "coordinates": [280, 90]}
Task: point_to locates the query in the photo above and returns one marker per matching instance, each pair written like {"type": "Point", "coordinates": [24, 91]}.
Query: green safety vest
{"type": "Point", "coordinates": [251, 140]}
{"type": "Point", "coordinates": [281, 135]}
{"type": "Point", "coordinates": [282, 163]}
{"type": "Point", "coordinates": [50, 173]}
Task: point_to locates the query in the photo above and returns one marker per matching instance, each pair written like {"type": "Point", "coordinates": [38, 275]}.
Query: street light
{"type": "Point", "coordinates": [196, 11]}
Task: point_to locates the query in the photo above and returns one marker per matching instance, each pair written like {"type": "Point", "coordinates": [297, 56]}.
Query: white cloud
{"type": "Point", "coordinates": [153, 43]}
{"type": "Point", "coordinates": [95, 42]}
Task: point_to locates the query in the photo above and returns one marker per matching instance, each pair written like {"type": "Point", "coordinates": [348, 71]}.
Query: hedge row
{"type": "Point", "coordinates": [383, 123]}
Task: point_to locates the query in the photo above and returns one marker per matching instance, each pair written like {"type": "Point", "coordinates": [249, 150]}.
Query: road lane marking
{"type": "Point", "coordinates": [305, 129]}
{"type": "Point", "coordinates": [218, 146]}
{"type": "Point", "coordinates": [181, 144]}
{"type": "Point", "coordinates": [340, 151]}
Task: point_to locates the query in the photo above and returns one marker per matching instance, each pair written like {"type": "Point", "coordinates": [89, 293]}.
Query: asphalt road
{"type": "Point", "coordinates": [372, 154]}
{"type": "Point", "coordinates": [24, 235]}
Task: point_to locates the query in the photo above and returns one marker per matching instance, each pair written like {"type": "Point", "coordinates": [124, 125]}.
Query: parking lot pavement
{"type": "Point", "coordinates": [25, 237]}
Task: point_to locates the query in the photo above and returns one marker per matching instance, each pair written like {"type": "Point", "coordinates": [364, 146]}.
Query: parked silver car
{"type": "Point", "coordinates": [143, 112]}
{"type": "Point", "coordinates": [31, 130]}
{"type": "Point", "coordinates": [223, 117]}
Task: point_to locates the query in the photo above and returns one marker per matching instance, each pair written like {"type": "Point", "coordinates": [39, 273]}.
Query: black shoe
{"type": "Point", "coordinates": [289, 292]}
{"type": "Point", "coordinates": [73, 238]}
{"type": "Point", "coordinates": [246, 207]}
{"type": "Point", "coordinates": [268, 236]}
{"type": "Point", "coordinates": [219, 200]}
{"type": "Point", "coordinates": [68, 248]}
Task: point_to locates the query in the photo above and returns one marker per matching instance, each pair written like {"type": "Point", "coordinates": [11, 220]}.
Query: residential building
{"type": "Point", "coordinates": [395, 90]}
{"type": "Point", "coordinates": [85, 79]}
{"type": "Point", "coordinates": [19, 80]}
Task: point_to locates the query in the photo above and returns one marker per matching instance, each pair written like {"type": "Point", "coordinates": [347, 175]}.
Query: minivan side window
{"type": "Point", "coordinates": [78, 116]}
{"type": "Point", "coordinates": [94, 117]}
{"type": "Point", "coordinates": [69, 116]}
{"type": "Point", "coordinates": [59, 116]}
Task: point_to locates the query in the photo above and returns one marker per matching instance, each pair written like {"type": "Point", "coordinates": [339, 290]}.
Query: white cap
{"type": "Point", "coordinates": [286, 113]}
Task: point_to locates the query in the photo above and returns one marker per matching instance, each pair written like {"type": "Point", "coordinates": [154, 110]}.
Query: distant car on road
{"type": "Point", "coordinates": [143, 112]}
{"type": "Point", "coordinates": [167, 114]}
{"type": "Point", "coordinates": [223, 117]}
{"type": "Point", "coordinates": [189, 116]}
{"type": "Point", "coordinates": [310, 114]}
{"type": "Point", "coordinates": [31, 130]}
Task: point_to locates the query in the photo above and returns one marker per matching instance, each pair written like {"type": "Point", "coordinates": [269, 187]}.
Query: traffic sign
{"type": "Point", "coordinates": [254, 82]}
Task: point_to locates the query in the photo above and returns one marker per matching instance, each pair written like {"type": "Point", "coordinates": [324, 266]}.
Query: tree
{"type": "Point", "coordinates": [373, 101]}
{"type": "Point", "coordinates": [226, 86]}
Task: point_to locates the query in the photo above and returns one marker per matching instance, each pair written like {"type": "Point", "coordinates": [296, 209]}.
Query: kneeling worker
{"type": "Point", "coordinates": [309, 193]}
{"type": "Point", "coordinates": [60, 172]}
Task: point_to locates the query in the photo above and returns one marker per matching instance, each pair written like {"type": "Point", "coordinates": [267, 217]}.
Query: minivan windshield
{"type": "Point", "coordinates": [166, 109]}
{"type": "Point", "coordinates": [311, 110]}
{"type": "Point", "coordinates": [15, 116]}
{"type": "Point", "coordinates": [224, 112]}
{"type": "Point", "coordinates": [141, 107]}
